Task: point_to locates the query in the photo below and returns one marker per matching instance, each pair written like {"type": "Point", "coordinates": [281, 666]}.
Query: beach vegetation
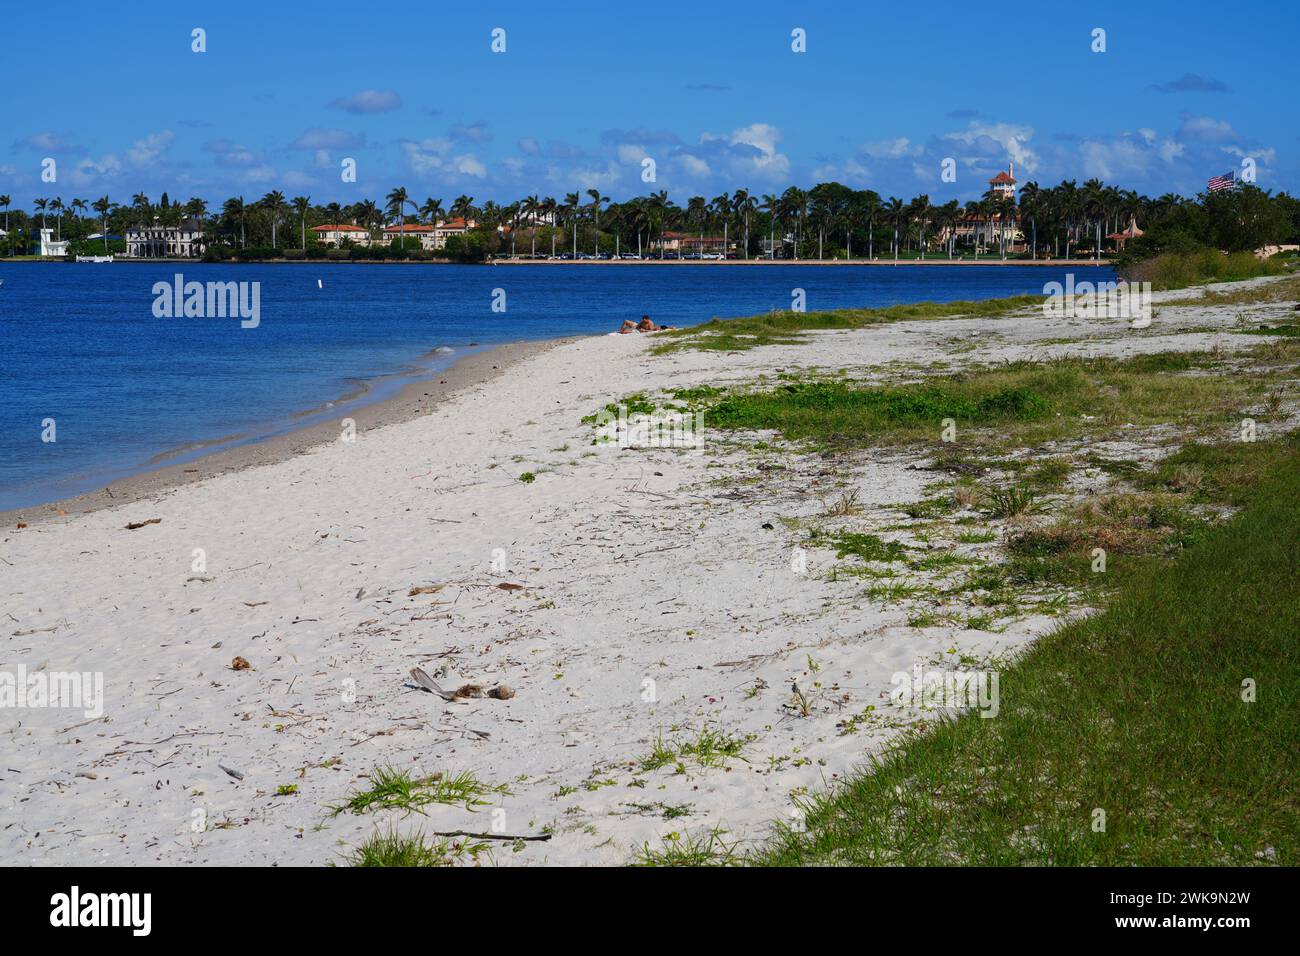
{"type": "Point", "coordinates": [393, 789]}
{"type": "Point", "coordinates": [1000, 408]}
{"type": "Point", "coordinates": [789, 327]}
{"type": "Point", "coordinates": [711, 748]}
{"type": "Point", "coordinates": [680, 849]}
{"type": "Point", "coordinates": [395, 850]}
{"type": "Point", "coordinates": [1143, 735]}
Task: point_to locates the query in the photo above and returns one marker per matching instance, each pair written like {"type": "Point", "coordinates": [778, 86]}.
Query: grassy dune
{"type": "Point", "coordinates": [787, 327]}
{"type": "Point", "coordinates": [1137, 712]}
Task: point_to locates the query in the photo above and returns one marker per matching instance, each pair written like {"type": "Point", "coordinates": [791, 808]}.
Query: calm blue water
{"type": "Point", "coordinates": [81, 345]}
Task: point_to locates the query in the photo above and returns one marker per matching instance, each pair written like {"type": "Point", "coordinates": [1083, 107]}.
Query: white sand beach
{"type": "Point", "coordinates": [657, 600]}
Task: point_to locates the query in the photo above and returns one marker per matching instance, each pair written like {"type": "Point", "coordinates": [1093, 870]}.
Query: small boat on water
{"type": "Point", "coordinates": [108, 258]}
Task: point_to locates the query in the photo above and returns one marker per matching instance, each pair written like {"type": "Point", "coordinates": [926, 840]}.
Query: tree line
{"type": "Point", "coordinates": [830, 220]}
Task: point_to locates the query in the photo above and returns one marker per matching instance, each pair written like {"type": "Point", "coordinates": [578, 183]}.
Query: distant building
{"type": "Point", "coordinates": [1131, 231]}
{"type": "Point", "coordinates": [424, 232]}
{"type": "Point", "coordinates": [452, 227]}
{"type": "Point", "coordinates": [985, 230]}
{"type": "Point", "coordinates": [182, 241]}
{"type": "Point", "coordinates": [692, 244]}
{"type": "Point", "coordinates": [1004, 184]}
{"type": "Point", "coordinates": [433, 237]}
{"type": "Point", "coordinates": [335, 234]}
{"type": "Point", "coordinates": [51, 248]}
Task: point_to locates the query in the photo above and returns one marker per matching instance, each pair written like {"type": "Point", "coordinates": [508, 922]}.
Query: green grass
{"type": "Point", "coordinates": [676, 849]}
{"type": "Point", "coordinates": [1222, 473]}
{"type": "Point", "coordinates": [1015, 405]}
{"type": "Point", "coordinates": [1010, 501]}
{"type": "Point", "coordinates": [712, 748]}
{"type": "Point", "coordinates": [1137, 712]}
{"type": "Point", "coordinates": [1180, 270]}
{"type": "Point", "coordinates": [867, 547]}
{"type": "Point", "coordinates": [393, 850]}
{"type": "Point", "coordinates": [392, 789]}
{"type": "Point", "coordinates": [785, 327]}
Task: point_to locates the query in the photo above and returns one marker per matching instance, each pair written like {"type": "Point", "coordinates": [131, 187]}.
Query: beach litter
{"type": "Point", "coordinates": [136, 525]}
{"type": "Point", "coordinates": [462, 693]}
{"type": "Point", "coordinates": [240, 664]}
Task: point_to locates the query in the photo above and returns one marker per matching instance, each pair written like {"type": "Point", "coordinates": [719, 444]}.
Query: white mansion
{"type": "Point", "coordinates": [183, 241]}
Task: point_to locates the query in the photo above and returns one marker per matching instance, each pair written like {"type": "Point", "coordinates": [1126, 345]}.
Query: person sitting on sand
{"type": "Point", "coordinates": [627, 327]}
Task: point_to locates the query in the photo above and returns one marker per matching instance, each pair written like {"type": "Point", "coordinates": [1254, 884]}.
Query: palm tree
{"type": "Point", "coordinates": [57, 207]}
{"type": "Point", "coordinates": [197, 209]}
{"type": "Point", "coordinates": [896, 214]}
{"type": "Point", "coordinates": [530, 208]}
{"type": "Point", "coordinates": [770, 205]}
{"type": "Point", "coordinates": [273, 202]}
{"type": "Point", "coordinates": [397, 201]}
{"type": "Point", "coordinates": [744, 206]}
{"type": "Point", "coordinates": [140, 203]}
{"type": "Point", "coordinates": [235, 208]}
{"type": "Point", "coordinates": [463, 208]}
{"type": "Point", "coordinates": [1070, 208]}
{"type": "Point", "coordinates": [78, 207]}
{"type": "Point", "coordinates": [432, 210]}
{"type": "Point", "coordinates": [870, 206]}
{"type": "Point", "coordinates": [4, 204]}
{"type": "Point", "coordinates": [551, 209]}
{"type": "Point", "coordinates": [596, 200]}
{"type": "Point", "coordinates": [921, 210]}
{"type": "Point", "coordinates": [1031, 199]}
{"type": "Point", "coordinates": [102, 206]}
{"type": "Point", "coordinates": [698, 212]}
{"type": "Point", "coordinates": [367, 215]}
{"type": "Point", "coordinates": [572, 202]}
{"type": "Point", "coordinates": [300, 205]}
{"type": "Point", "coordinates": [657, 206]}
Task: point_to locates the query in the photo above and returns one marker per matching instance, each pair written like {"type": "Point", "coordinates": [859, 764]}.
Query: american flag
{"type": "Point", "coordinates": [1225, 181]}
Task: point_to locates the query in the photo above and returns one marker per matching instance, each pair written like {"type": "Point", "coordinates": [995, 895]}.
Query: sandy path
{"type": "Point", "coordinates": [638, 566]}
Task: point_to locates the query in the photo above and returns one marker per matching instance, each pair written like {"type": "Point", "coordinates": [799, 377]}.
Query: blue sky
{"type": "Point", "coordinates": [711, 91]}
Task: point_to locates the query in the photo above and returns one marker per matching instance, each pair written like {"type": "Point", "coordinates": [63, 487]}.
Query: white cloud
{"type": "Point", "coordinates": [149, 149]}
{"type": "Point", "coordinates": [1207, 129]}
{"type": "Point", "coordinates": [631, 154]}
{"type": "Point", "coordinates": [90, 171]}
{"type": "Point", "coordinates": [1169, 150]}
{"type": "Point", "coordinates": [369, 101]}
{"type": "Point", "coordinates": [469, 165]}
{"type": "Point", "coordinates": [433, 155]}
{"type": "Point", "coordinates": [1010, 139]}
{"type": "Point", "coordinates": [693, 165]}
{"type": "Point", "coordinates": [892, 148]}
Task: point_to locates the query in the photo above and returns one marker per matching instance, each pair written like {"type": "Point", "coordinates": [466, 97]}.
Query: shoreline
{"type": "Point", "coordinates": [420, 395]}
{"type": "Point", "coordinates": [255, 634]}
{"type": "Point", "coordinates": [1033, 263]}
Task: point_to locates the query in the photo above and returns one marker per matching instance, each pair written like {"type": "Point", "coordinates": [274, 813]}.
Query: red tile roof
{"type": "Point", "coordinates": [410, 227]}
{"type": "Point", "coordinates": [1002, 177]}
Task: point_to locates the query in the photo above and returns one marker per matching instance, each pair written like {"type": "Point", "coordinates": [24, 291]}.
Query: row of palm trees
{"type": "Point", "coordinates": [829, 217]}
